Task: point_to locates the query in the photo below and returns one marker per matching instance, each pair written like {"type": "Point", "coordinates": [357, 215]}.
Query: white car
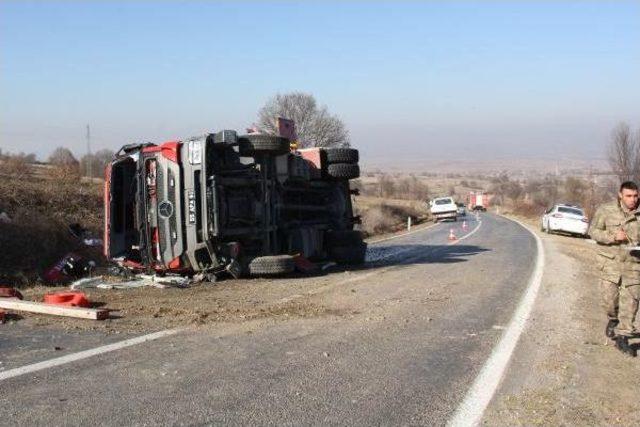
{"type": "Point", "coordinates": [565, 218]}
{"type": "Point", "coordinates": [444, 208]}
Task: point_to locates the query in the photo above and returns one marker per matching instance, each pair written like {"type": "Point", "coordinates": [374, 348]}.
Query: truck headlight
{"type": "Point", "coordinates": [195, 152]}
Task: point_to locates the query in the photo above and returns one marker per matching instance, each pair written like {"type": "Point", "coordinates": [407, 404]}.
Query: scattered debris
{"type": "Point", "coordinates": [77, 230]}
{"type": "Point", "coordinates": [93, 242]}
{"type": "Point", "coordinates": [328, 265]}
{"type": "Point", "coordinates": [8, 292]}
{"type": "Point", "coordinates": [71, 299]}
{"type": "Point", "coordinates": [86, 283]}
{"type": "Point", "coordinates": [169, 281]}
{"type": "Point", "coordinates": [69, 267]}
{"type": "Point", "coordinates": [4, 218]}
{"type": "Point", "coordinates": [303, 264]}
{"type": "Point", "coordinates": [138, 281]}
{"type": "Point", "coordinates": [53, 309]}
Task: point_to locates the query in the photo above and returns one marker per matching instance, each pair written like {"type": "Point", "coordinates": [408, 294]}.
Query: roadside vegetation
{"type": "Point", "coordinates": [40, 202]}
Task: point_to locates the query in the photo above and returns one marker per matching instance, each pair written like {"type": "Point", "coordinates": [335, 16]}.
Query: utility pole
{"type": "Point", "coordinates": [90, 160]}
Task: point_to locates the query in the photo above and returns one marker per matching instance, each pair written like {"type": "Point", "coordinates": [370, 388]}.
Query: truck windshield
{"type": "Point", "coordinates": [123, 234]}
{"type": "Point", "coordinates": [443, 201]}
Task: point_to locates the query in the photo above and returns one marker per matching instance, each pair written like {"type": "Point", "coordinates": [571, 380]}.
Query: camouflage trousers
{"type": "Point", "coordinates": [629, 296]}
{"type": "Point", "coordinates": [610, 298]}
{"type": "Point", "coordinates": [620, 301]}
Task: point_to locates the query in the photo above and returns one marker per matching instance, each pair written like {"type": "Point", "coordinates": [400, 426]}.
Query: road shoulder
{"type": "Point", "coordinates": [564, 371]}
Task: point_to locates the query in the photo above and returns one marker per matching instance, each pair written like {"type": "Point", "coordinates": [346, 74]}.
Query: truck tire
{"type": "Point", "coordinates": [250, 145]}
{"type": "Point", "coordinates": [343, 171]}
{"type": "Point", "coordinates": [343, 238]}
{"type": "Point", "coordinates": [271, 265]}
{"type": "Point", "coordinates": [342, 155]}
{"type": "Point", "coordinates": [349, 255]}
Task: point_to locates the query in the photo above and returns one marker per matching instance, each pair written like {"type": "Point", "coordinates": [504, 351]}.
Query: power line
{"type": "Point", "coordinates": [89, 160]}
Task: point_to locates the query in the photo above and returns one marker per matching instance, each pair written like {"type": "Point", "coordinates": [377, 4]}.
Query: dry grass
{"type": "Point", "coordinates": [381, 215]}
{"type": "Point", "coordinates": [527, 210]}
{"type": "Point", "coordinates": [41, 210]}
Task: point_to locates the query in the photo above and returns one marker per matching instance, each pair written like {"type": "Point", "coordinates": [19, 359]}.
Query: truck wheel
{"type": "Point", "coordinates": [342, 155]}
{"type": "Point", "coordinates": [271, 265]}
{"type": "Point", "coordinates": [349, 255]}
{"type": "Point", "coordinates": [343, 171]}
{"type": "Point", "coordinates": [344, 238]}
{"type": "Point", "coordinates": [263, 144]}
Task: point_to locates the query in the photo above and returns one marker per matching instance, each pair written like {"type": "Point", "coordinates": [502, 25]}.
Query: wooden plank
{"type": "Point", "coordinates": [53, 309]}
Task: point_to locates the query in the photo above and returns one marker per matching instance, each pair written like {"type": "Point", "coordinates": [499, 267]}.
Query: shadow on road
{"type": "Point", "coordinates": [421, 254]}
{"type": "Point", "coordinates": [386, 256]}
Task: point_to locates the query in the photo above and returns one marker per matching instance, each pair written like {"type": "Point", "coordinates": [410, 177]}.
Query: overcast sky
{"type": "Point", "coordinates": [545, 78]}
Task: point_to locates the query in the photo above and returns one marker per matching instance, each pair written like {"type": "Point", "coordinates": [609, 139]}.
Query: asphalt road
{"type": "Point", "coordinates": [399, 342]}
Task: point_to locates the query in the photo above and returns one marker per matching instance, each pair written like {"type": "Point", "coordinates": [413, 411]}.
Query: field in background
{"type": "Point", "coordinates": [42, 201]}
{"type": "Point", "coordinates": [41, 206]}
{"type": "Point", "coordinates": [387, 200]}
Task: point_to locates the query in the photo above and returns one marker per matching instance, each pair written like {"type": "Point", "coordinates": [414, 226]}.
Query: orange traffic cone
{"type": "Point", "coordinates": [464, 225]}
{"type": "Point", "coordinates": [451, 235]}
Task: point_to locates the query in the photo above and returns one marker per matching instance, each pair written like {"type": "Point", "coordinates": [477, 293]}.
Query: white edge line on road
{"type": "Point", "coordinates": [403, 234]}
{"type": "Point", "coordinates": [376, 272]}
{"type": "Point", "coordinates": [28, 369]}
{"type": "Point", "coordinates": [471, 410]}
{"type": "Point", "coordinates": [51, 363]}
{"type": "Point", "coordinates": [469, 234]}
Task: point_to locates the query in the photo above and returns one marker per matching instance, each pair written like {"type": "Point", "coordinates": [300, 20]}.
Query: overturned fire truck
{"type": "Point", "coordinates": [228, 203]}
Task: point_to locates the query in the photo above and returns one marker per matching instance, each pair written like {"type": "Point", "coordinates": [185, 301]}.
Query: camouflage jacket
{"type": "Point", "coordinates": [614, 261]}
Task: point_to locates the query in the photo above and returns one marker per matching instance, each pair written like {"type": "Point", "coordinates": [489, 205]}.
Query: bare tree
{"type": "Point", "coordinates": [514, 191]}
{"type": "Point", "coordinates": [95, 163]}
{"type": "Point", "coordinates": [315, 126]}
{"type": "Point", "coordinates": [62, 157]}
{"type": "Point", "coordinates": [624, 155]}
{"type": "Point", "coordinates": [66, 167]}
{"type": "Point", "coordinates": [386, 186]}
{"type": "Point", "coordinates": [575, 191]}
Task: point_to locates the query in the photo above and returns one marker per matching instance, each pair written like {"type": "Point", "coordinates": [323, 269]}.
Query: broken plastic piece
{"type": "Point", "coordinates": [71, 299]}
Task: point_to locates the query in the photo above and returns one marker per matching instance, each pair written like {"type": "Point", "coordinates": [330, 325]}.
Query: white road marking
{"type": "Point", "coordinates": [401, 251]}
{"type": "Point", "coordinates": [51, 363]}
{"type": "Point", "coordinates": [376, 272]}
{"type": "Point", "coordinates": [28, 369]}
{"type": "Point", "coordinates": [470, 412]}
{"type": "Point", "coordinates": [403, 234]}
{"type": "Point", "coordinates": [471, 233]}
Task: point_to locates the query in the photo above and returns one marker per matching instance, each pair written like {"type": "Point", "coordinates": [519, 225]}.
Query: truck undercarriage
{"type": "Point", "coordinates": [229, 203]}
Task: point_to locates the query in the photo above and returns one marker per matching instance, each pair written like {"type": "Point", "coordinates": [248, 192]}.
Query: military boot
{"type": "Point", "coordinates": [610, 327]}
{"type": "Point", "coordinates": [622, 344]}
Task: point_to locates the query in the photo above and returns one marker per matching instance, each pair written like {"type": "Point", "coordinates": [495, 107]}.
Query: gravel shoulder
{"type": "Point", "coordinates": [565, 371]}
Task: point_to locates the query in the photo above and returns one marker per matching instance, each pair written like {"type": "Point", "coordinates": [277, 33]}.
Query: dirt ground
{"type": "Point", "coordinates": [149, 309]}
{"type": "Point", "coordinates": [228, 300]}
{"type": "Point", "coordinates": [565, 371]}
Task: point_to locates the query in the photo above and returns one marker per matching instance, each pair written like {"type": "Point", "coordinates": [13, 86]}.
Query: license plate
{"type": "Point", "coordinates": [191, 195]}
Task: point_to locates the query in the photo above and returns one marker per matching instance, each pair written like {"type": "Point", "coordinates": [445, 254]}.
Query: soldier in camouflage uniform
{"type": "Point", "coordinates": [614, 226]}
